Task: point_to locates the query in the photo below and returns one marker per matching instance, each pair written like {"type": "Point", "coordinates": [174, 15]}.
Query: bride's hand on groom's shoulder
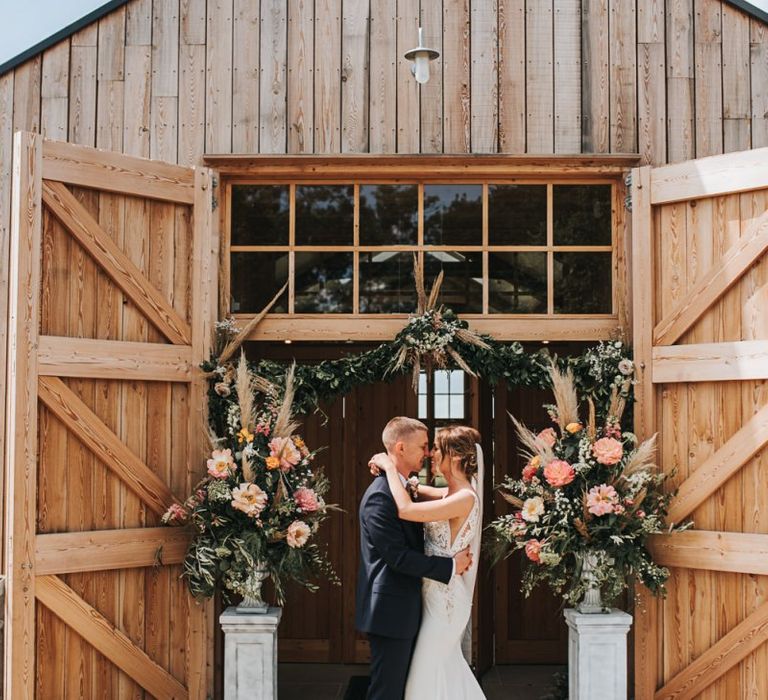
{"type": "Point", "coordinates": [379, 463]}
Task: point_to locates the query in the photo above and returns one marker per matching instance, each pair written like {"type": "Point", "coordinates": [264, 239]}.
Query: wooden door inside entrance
{"type": "Point", "coordinates": [319, 627]}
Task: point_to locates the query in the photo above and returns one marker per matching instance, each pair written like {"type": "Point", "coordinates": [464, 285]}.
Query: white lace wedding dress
{"type": "Point", "coordinates": [438, 669]}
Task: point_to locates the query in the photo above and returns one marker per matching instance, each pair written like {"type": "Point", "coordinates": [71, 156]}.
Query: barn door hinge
{"type": "Point", "coordinates": [628, 197]}
{"type": "Point", "coordinates": [214, 198]}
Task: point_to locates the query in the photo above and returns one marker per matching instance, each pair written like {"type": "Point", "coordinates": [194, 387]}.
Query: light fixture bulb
{"type": "Point", "coordinates": [421, 68]}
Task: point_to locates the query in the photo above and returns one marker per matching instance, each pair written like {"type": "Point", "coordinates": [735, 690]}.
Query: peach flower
{"type": "Point", "coordinates": [306, 499]}
{"type": "Point", "coordinates": [221, 464]}
{"type": "Point", "coordinates": [559, 473]}
{"type": "Point", "coordinates": [286, 452]}
{"type": "Point", "coordinates": [273, 463]}
{"type": "Point", "coordinates": [532, 550]}
{"type": "Point", "coordinates": [574, 428]}
{"type": "Point", "coordinates": [297, 534]}
{"type": "Point", "coordinates": [175, 514]}
{"type": "Point", "coordinates": [607, 450]}
{"type": "Point", "coordinates": [548, 436]}
{"type": "Point", "coordinates": [249, 498]}
{"type": "Point", "coordinates": [602, 500]}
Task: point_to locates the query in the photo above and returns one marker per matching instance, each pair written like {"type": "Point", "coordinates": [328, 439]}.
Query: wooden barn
{"type": "Point", "coordinates": [167, 163]}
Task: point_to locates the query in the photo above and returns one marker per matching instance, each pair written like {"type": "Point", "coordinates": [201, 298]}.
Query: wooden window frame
{"type": "Point", "coordinates": [420, 170]}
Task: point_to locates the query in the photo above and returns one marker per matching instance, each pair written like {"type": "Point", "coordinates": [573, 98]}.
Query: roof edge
{"type": "Point", "coordinates": [70, 29]}
{"type": "Point", "coordinates": [750, 9]}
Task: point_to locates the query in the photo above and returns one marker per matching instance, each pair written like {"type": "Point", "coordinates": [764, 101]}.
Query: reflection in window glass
{"type": "Point", "coordinates": [583, 283]}
{"type": "Point", "coordinates": [582, 214]}
{"type": "Point", "coordinates": [255, 278]}
{"type": "Point", "coordinates": [389, 214]}
{"type": "Point", "coordinates": [517, 214]}
{"type": "Point", "coordinates": [462, 288]}
{"type": "Point", "coordinates": [260, 214]}
{"type": "Point", "coordinates": [324, 214]}
{"type": "Point", "coordinates": [453, 214]}
{"type": "Point", "coordinates": [323, 283]}
{"type": "Point", "coordinates": [517, 283]}
{"type": "Point", "coordinates": [386, 283]}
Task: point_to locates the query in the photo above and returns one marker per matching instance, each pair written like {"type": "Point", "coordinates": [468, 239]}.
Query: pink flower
{"type": "Point", "coordinates": [306, 499]}
{"type": "Point", "coordinates": [640, 513]}
{"type": "Point", "coordinates": [602, 499]}
{"type": "Point", "coordinates": [175, 514]}
{"type": "Point", "coordinates": [532, 550]}
{"type": "Point", "coordinates": [619, 509]}
{"type": "Point", "coordinates": [517, 528]}
{"type": "Point", "coordinates": [607, 450]}
{"type": "Point", "coordinates": [286, 452]}
{"type": "Point", "coordinates": [249, 498]}
{"type": "Point", "coordinates": [221, 464]}
{"type": "Point", "coordinates": [548, 436]}
{"type": "Point", "coordinates": [297, 534]}
{"type": "Point", "coordinates": [559, 473]}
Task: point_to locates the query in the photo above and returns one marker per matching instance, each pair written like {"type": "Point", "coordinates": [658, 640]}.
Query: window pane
{"type": "Point", "coordinates": [422, 406]}
{"type": "Point", "coordinates": [583, 283]}
{"type": "Point", "coordinates": [324, 214]}
{"type": "Point", "coordinates": [582, 214]}
{"type": "Point", "coordinates": [453, 214]}
{"type": "Point", "coordinates": [260, 214]}
{"type": "Point", "coordinates": [255, 279]}
{"type": "Point", "coordinates": [457, 406]}
{"type": "Point", "coordinates": [323, 283]}
{"type": "Point", "coordinates": [389, 214]}
{"type": "Point", "coordinates": [441, 406]}
{"type": "Point", "coordinates": [422, 382]}
{"type": "Point", "coordinates": [517, 283]}
{"type": "Point", "coordinates": [517, 214]}
{"type": "Point", "coordinates": [457, 381]}
{"type": "Point", "coordinates": [386, 283]}
{"type": "Point", "coordinates": [441, 381]}
{"type": "Point", "coordinates": [462, 288]}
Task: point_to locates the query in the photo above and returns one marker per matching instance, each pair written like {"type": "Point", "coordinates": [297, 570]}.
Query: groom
{"type": "Point", "coordinates": [392, 564]}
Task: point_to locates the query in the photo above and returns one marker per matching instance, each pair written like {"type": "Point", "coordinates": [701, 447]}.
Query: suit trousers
{"type": "Point", "coordinates": [390, 660]}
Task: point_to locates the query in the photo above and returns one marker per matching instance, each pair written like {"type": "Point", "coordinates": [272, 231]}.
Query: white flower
{"type": "Point", "coordinates": [626, 366]}
{"type": "Point", "coordinates": [533, 508]}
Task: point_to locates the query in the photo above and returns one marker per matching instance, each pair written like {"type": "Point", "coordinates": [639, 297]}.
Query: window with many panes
{"type": "Point", "coordinates": [536, 248]}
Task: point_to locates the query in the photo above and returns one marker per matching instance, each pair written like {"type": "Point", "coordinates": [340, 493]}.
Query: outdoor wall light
{"type": "Point", "coordinates": [421, 56]}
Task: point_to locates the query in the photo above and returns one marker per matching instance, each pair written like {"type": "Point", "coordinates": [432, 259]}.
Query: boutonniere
{"type": "Point", "coordinates": [412, 487]}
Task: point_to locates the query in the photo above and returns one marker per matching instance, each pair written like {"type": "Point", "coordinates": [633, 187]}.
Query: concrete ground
{"type": "Point", "coordinates": [330, 681]}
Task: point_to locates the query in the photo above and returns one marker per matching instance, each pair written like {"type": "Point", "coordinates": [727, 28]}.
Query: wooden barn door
{"type": "Point", "coordinates": [700, 288]}
{"type": "Point", "coordinates": [113, 289]}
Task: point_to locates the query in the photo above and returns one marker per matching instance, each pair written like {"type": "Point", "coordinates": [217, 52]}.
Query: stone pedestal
{"type": "Point", "coordinates": [250, 654]}
{"type": "Point", "coordinates": [597, 655]}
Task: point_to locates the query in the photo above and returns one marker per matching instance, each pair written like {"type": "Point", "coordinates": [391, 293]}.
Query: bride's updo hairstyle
{"type": "Point", "coordinates": [459, 441]}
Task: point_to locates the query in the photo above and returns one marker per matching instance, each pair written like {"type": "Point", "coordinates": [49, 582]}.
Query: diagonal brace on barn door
{"type": "Point", "coordinates": [87, 427]}
{"type": "Point", "coordinates": [115, 262]}
{"type": "Point", "coordinates": [103, 636]}
{"type": "Point", "coordinates": [736, 261]}
{"type": "Point", "coordinates": [715, 661]}
{"type": "Point", "coordinates": [720, 467]}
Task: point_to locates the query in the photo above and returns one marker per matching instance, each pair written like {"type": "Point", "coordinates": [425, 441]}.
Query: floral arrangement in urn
{"type": "Point", "coordinates": [586, 502]}
{"type": "Point", "coordinates": [257, 510]}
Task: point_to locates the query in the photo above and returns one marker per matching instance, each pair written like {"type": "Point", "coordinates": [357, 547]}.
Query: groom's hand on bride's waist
{"type": "Point", "coordinates": [462, 561]}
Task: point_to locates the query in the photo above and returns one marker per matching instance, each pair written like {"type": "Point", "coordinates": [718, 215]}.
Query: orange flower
{"type": "Point", "coordinates": [273, 463]}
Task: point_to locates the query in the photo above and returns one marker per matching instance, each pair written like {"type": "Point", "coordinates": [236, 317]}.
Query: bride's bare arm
{"type": "Point", "coordinates": [431, 493]}
{"type": "Point", "coordinates": [426, 493]}
{"type": "Point", "coordinates": [456, 505]}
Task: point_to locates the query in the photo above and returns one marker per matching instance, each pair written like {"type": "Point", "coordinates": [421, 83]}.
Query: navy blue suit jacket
{"type": "Point", "coordinates": [392, 564]}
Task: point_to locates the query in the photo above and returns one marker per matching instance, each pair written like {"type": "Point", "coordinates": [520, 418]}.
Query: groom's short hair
{"type": "Point", "coordinates": [399, 428]}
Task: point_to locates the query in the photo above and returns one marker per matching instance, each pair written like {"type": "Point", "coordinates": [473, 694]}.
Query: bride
{"type": "Point", "coordinates": [452, 518]}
